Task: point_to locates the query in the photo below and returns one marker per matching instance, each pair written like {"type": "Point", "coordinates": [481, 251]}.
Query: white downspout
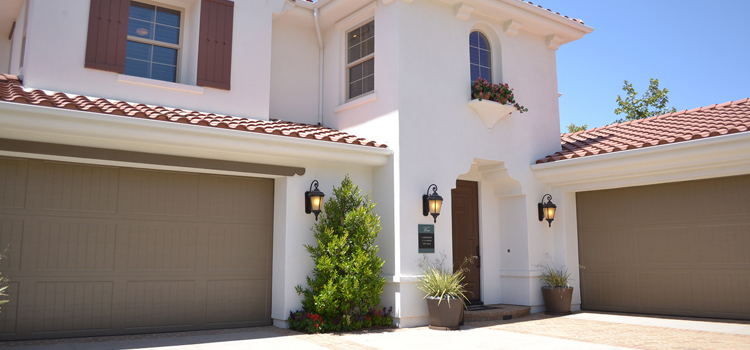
{"type": "Point", "coordinates": [320, 69]}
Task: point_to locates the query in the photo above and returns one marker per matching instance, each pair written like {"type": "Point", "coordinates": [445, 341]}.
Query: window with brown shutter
{"type": "Point", "coordinates": [107, 37]}
{"type": "Point", "coordinates": [215, 43]}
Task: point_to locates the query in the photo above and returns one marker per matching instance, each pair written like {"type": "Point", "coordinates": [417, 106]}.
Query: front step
{"type": "Point", "coordinates": [495, 312]}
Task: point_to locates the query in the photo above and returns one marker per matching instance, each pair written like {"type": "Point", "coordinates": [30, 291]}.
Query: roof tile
{"type": "Point", "coordinates": [12, 90]}
{"type": "Point", "coordinates": [704, 122]}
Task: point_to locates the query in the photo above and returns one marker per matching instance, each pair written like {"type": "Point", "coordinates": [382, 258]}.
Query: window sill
{"type": "Point", "coordinates": [358, 101]}
{"type": "Point", "coordinates": [160, 84]}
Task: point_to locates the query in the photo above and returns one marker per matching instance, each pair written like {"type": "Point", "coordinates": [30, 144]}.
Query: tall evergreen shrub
{"type": "Point", "coordinates": [346, 279]}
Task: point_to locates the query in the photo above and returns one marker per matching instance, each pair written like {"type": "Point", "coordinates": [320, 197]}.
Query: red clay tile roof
{"type": "Point", "coordinates": [12, 90]}
{"type": "Point", "coordinates": [557, 13]}
{"type": "Point", "coordinates": [709, 121]}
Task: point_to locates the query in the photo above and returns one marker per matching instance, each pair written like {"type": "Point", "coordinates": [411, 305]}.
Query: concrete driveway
{"type": "Point", "coordinates": [583, 330]}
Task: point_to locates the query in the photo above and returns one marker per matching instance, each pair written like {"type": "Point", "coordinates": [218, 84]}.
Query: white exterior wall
{"type": "Point", "coordinates": [56, 47]}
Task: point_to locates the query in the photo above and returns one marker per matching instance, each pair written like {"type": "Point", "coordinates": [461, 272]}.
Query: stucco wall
{"type": "Point", "coordinates": [56, 44]}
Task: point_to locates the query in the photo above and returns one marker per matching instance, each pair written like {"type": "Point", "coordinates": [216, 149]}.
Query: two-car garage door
{"type": "Point", "coordinates": [94, 250]}
{"type": "Point", "coordinates": [673, 249]}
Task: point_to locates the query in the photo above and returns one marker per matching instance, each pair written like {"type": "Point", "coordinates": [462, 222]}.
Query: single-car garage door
{"type": "Point", "coordinates": [96, 250]}
{"type": "Point", "coordinates": [672, 249]}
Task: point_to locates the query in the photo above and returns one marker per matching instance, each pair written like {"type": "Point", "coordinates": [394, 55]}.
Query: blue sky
{"type": "Point", "coordinates": [699, 50]}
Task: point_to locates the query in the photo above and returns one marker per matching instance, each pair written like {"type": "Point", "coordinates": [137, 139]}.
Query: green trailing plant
{"type": "Point", "coordinates": [442, 283]}
{"type": "Point", "coordinates": [501, 93]}
{"type": "Point", "coordinates": [346, 282]}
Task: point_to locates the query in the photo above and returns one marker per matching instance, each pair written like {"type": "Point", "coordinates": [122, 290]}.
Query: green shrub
{"type": "Point", "coordinates": [346, 282]}
{"type": "Point", "coordinates": [442, 283]}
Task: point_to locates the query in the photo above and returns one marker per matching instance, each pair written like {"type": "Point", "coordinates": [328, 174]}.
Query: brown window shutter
{"type": "Point", "coordinates": [215, 47]}
{"type": "Point", "coordinates": [108, 35]}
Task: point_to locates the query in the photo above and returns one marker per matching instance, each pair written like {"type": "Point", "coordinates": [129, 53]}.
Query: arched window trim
{"type": "Point", "coordinates": [475, 57]}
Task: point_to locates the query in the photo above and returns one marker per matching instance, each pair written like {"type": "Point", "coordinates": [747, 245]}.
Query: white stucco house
{"type": "Point", "coordinates": [154, 156]}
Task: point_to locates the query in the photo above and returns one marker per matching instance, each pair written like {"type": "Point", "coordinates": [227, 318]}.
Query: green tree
{"type": "Point", "coordinates": [654, 102]}
{"type": "Point", "coordinates": [576, 128]}
{"type": "Point", "coordinates": [346, 279]}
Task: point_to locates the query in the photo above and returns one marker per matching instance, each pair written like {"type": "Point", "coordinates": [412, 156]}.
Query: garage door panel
{"type": "Point", "coordinates": [161, 193]}
{"type": "Point", "coordinates": [607, 289]}
{"type": "Point", "coordinates": [613, 214]}
{"type": "Point", "coordinates": [13, 174]}
{"type": "Point", "coordinates": [72, 306]}
{"type": "Point", "coordinates": [65, 245]}
{"type": "Point", "coordinates": [663, 245]}
{"type": "Point", "coordinates": [724, 292]}
{"type": "Point", "coordinates": [68, 187]}
{"type": "Point", "coordinates": [246, 247]}
{"type": "Point", "coordinates": [11, 243]}
{"type": "Point", "coordinates": [9, 313]}
{"type": "Point", "coordinates": [241, 198]}
{"type": "Point", "coordinates": [692, 253]}
{"type": "Point", "coordinates": [236, 301]}
{"type": "Point", "coordinates": [161, 246]}
{"type": "Point", "coordinates": [160, 303]}
{"type": "Point", "coordinates": [605, 247]}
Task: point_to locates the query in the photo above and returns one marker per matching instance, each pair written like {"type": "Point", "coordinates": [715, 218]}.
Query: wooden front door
{"type": "Point", "coordinates": [465, 209]}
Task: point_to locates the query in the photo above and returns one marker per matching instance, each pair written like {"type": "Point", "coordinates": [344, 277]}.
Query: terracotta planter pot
{"type": "Point", "coordinates": [445, 316]}
{"type": "Point", "coordinates": [557, 300]}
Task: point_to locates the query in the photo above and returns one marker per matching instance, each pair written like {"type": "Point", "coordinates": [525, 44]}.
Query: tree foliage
{"type": "Point", "coordinates": [652, 103]}
{"type": "Point", "coordinates": [346, 279]}
{"type": "Point", "coordinates": [576, 128]}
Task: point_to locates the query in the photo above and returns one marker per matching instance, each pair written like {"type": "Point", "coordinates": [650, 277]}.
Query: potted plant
{"type": "Point", "coordinates": [557, 292]}
{"type": "Point", "coordinates": [482, 90]}
{"type": "Point", "coordinates": [445, 292]}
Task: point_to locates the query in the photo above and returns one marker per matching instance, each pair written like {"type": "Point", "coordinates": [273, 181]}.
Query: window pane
{"type": "Point", "coordinates": [168, 17]}
{"type": "Point", "coordinates": [142, 11]}
{"type": "Point", "coordinates": [474, 72]}
{"type": "Point", "coordinates": [483, 42]}
{"type": "Point", "coordinates": [165, 55]}
{"type": "Point", "coordinates": [138, 51]}
{"type": "Point", "coordinates": [368, 47]}
{"type": "Point", "coordinates": [137, 68]}
{"type": "Point", "coordinates": [368, 67]}
{"type": "Point", "coordinates": [355, 89]}
{"type": "Point", "coordinates": [163, 72]}
{"type": "Point", "coordinates": [485, 72]}
{"type": "Point", "coordinates": [354, 37]}
{"type": "Point", "coordinates": [484, 58]}
{"type": "Point", "coordinates": [473, 55]}
{"type": "Point", "coordinates": [368, 84]}
{"type": "Point", "coordinates": [368, 30]}
{"type": "Point", "coordinates": [474, 39]}
{"type": "Point", "coordinates": [140, 29]}
{"type": "Point", "coordinates": [354, 54]}
{"type": "Point", "coordinates": [167, 34]}
{"type": "Point", "coordinates": [355, 73]}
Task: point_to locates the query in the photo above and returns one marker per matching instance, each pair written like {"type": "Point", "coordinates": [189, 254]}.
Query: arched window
{"type": "Point", "coordinates": [480, 56]}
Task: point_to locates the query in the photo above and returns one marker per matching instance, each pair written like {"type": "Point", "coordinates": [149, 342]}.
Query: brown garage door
{"type": "Point", "coordinates": [672, 249]}
{"type": "Point", "coordinates": [96, 250]}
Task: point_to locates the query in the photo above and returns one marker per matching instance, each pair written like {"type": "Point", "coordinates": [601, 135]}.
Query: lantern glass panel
{"type": "Point", "coordinates": [435, 205]}
{"type": "Point", "coordinates": [316, 202]}
{"type": "Point", "coordinates": [549, 213]}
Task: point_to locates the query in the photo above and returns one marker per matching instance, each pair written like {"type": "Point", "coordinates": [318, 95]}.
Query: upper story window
{"type": "Point", "coordinates": [153, 42]}
{"type": "Point", "coordinates": [480, 57]}
{"type": "Point", "coordinates": [360, 60]}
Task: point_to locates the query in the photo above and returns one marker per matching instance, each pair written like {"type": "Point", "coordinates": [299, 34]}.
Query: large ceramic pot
{"type": "Point", "coordinates": [557, 300]}
{"type": "Point", "coordinates": [445, 316]}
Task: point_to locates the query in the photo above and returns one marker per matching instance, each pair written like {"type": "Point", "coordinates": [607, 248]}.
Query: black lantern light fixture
{"type": "Point", "coordinates": [314, 200]}
{"type": "Point", "coordinates": [431, 203]}
{"type": "Point", "coordinates": [547, 210]}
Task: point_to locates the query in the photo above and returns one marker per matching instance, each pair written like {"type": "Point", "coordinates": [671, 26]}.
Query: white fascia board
{"type": "Point", "coordinates": [550, 15]}
{"type": "Point", "coordinates": [79, 128]}
{"type": "Point", "coordinates": [716, 156]}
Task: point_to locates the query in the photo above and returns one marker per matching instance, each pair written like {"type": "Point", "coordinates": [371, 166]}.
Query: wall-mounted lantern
{"type": "Point", "coordinates": [431, 203]}
{"type": "Point", "coordinates": [547, 210]}
{"type": "Point", "coordinates": [314, 200]}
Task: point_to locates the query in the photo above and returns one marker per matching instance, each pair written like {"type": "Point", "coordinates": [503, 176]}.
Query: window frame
{"type": "Point", "coordinates": [489, 52]}
{"type": "Point", "coordinates": [361, 60]}
{"type": "Point", "coordinates": [178, 46]}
